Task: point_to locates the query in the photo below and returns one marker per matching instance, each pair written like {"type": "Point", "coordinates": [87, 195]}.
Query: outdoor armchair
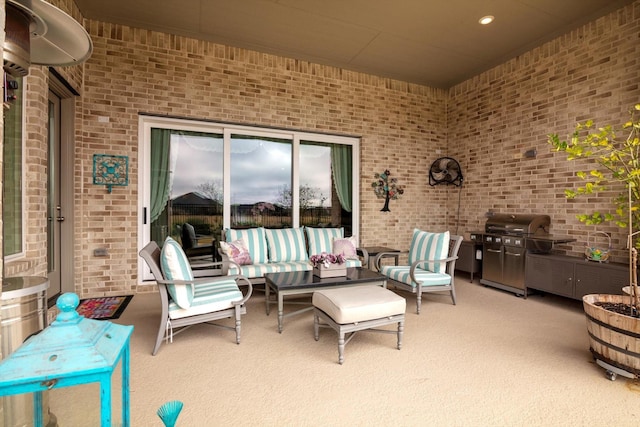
{"type": "Point", "coordinates": [432, 261]}
{"type": "Point", "coordinates": [186, 300]}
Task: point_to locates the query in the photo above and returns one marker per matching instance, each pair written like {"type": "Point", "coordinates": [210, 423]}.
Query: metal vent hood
{"type": "Point", "coordinates": [41, 34]}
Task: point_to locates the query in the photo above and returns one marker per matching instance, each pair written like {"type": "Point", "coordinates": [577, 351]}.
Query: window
{"type": "Point", "coordinates": [214, 176]}
{"type": "Point", "coordinates": [12, 197]}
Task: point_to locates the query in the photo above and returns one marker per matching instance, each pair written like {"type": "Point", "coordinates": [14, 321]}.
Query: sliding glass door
{"type": "Point", "coordinates": [214, 176]}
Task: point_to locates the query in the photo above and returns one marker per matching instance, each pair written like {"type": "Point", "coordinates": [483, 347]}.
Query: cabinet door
{"type": "Point", "coordinates": [596, 278]}
{"type": "Point", "coordinates": [549, 274]}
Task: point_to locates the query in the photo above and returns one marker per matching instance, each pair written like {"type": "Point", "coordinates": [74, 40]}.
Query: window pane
{"type": "Point", "coordinates": [320, 198]}
{"type": "Point", "coordinates": [12, 173]}
{"type": "Point", "coordinates": [315, 184]}
{"type": "Point", "coordinates": [191, 189]}
{"type": "Point", "coordinates": [260, 182]}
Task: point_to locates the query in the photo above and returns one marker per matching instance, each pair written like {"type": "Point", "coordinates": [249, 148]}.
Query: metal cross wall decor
{"type": "Point", "coordinates": [110, 170]}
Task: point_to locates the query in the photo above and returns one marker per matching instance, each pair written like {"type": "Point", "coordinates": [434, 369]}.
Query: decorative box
{"type": "Point", "coordinates": [333, 270]}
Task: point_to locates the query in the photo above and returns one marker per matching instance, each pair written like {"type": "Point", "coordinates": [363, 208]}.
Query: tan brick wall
{"type": "Point", "coordinates": [486, 122]}
{"type": "Point", "coordinates": [134, 71]}
{"type": "Point", "coordinates": [495, 117]}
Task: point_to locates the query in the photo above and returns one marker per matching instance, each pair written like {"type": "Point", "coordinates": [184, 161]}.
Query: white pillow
{"type": "Point", "coordinates": [346, 247]}
{"type": "Point", "coordinates": [237, 252]}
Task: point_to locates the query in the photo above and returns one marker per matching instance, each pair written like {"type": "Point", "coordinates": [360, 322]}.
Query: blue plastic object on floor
{"type": "Point", "coordinates": [169, 412]}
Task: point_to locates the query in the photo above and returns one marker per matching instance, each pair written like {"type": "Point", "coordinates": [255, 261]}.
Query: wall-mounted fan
{"type": "Point", "coordinates": [445, 170]}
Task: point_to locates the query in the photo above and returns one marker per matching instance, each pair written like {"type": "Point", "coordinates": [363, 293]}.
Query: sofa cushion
{"type": "Point", "coordinates": [237, 252]}
{"type": "Point", "coordinates": [175, 266]}
{"type": "Point", "coordinates": [429, 246]}
{"type": "Point", "coordinates": [208, 297]}
{"type": "Point", "coordinates": [259, 270]}
{"type": "Point", "coordinates": [286, 245]}
{"type": "Point", "coordinates": [321, 239]}
{"type": "Point", "coordinates": [255, 240]}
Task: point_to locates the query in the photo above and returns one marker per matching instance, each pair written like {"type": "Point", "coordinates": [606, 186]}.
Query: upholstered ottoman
{"type": "Point", "coordinates": [352, 309]}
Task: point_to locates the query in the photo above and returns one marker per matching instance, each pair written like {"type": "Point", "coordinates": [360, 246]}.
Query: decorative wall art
{"type": "Point", "coordinates": [386, 188]}
{"type": "Point", "coordinates": [110, 170]}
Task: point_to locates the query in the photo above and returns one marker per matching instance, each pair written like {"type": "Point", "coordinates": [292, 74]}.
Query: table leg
{"type": "Point", "coordinates": [280, 311]}
{"type": "Point", "coordinates": [105, 401]}
{"type": "Point", "coordinates": [266, 298]}
{"type": "Point", "coordinates": [125, 387]}
{"type": "Point", "coordinates": [38, 420]}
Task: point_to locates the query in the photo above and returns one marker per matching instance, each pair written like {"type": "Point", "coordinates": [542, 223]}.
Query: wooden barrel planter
{"type": "Point", "coordinates": [613, 337]}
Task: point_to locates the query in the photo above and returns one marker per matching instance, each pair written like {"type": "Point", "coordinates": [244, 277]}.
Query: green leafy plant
{"type": "Point", "coordinates": [618, 161]}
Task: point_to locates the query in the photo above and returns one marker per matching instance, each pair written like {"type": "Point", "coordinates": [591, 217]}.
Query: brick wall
{"type": "Point", "coordinates": [486, 123]}
{"type": "Point", "coordinates": [134, 71]}
{"type": "Point", "coordinates": [495, 117]}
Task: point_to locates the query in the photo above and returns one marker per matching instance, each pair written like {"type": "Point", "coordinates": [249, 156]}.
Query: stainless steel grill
{"type": "Point", "coordinates": [504, 248]}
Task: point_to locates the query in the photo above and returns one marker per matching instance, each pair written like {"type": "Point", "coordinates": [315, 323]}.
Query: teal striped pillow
{"type": "Point", "coordinates": [286, 245]}
{"type": "Point", "coordinates": [175, 266]}
{"type": "Point", "coordinates": [254, 239]}
{"type": "Point", "coordinates": [321, 239]}
{"type": "Point", "coordinates": [433, 246]}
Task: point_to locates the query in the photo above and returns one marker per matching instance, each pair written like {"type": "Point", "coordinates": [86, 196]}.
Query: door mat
{"type": "Point", "coordinates": [103, 308]}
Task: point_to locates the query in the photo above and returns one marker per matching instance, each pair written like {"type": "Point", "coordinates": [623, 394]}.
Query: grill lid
{"type": "Point", "coordinates": [518, 224]}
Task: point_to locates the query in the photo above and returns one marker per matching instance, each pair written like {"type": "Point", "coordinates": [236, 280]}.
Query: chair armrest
{"type": "Point", "coordinates": [208, 279]}
{"type": "Point", "coordinates": [226, 263]}
{"type": "Point", "coordinates": [247, 282]}
{"type": "Point", "coordinates": [415, 264]}
{"type": "Point", "coordinates": [364, 254]}
{"type": "Point", "coordinates": [381, 255]}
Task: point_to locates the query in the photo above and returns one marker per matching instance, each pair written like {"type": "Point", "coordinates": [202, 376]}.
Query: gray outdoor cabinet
{"type": "Point", "coordinates": [574, 277]}
{"type": "Point", "coordinates": [468, 259]}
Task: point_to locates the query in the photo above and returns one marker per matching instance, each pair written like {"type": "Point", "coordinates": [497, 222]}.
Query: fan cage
{"type": "Point", "coordinates": [442, 172]}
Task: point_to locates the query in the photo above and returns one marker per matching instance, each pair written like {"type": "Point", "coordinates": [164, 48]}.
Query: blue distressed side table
{"type": "Point", "coordinates": [71, 351]}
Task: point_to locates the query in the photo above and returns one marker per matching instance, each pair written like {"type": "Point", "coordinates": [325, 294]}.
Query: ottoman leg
{"type": "Point", "coordinates": [341, 347]}
{"type": "Point", "coordinates": [316, 326]}
{"type": "Point", "coordinates": [400, 333]}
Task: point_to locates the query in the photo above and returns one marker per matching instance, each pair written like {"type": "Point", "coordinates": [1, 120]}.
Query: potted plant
{"type": "Point", "coordinates": [328, 265]}
{"type": "Point", "coordinates": [613, 321]}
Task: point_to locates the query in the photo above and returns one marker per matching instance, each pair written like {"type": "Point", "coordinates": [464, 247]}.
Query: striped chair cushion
{"type": "Point", "coordinates": [175, 266]}
{"type": "Point", "coordinates": [208, 297]}
{"type": "Point", "coordinates": [258, 270]}
{"type": "Point", "coordinates": [321, 239]}
{"type": "Point", "coordinates": [286, 245]}
{"type": "Point", "coordinates": [426, 278]}
{"type": "Point", "coordinates": [431, 246]}
{"type": "Point", "coordinates": [254, 239]}
{"type": "Point", "coordinates": [353, 263]}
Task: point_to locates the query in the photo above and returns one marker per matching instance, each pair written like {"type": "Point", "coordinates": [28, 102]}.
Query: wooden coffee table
{"type": "Point", "coordinates": [304, 282]}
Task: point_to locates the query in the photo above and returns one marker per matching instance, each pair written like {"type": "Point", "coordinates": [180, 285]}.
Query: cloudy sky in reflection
{"type": "Point", "coordinates": [259, 168]}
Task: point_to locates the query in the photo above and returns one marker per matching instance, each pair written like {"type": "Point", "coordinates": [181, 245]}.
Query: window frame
{"type": "Point", "coordinates": [147, 122]}
{"type": "Point", "coordinates": [23, 125]}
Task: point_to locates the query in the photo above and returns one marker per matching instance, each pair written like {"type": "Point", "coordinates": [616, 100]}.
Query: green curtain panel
{"type": "Point", "coordinates": [342, 175]}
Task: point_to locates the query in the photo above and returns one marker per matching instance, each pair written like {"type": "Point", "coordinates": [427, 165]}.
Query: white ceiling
{"type": "Point", "coordinates": [436, 43]}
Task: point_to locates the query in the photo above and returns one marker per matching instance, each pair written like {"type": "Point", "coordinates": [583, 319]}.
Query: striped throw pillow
{"type": "Point", "coordinates": [321, 239]}
{"type": "Point", "coordinates": [255, 241]}
{"type": "Point", "coordinates": [432, 246]}
{"type": "Point", "coordinates": [175, 266]}
{"type": "Point", "coordinates": [286, 245]}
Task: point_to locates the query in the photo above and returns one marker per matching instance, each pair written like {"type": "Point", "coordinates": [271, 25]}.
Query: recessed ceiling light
{"type": "Point", "coordinates": [485, 20]}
